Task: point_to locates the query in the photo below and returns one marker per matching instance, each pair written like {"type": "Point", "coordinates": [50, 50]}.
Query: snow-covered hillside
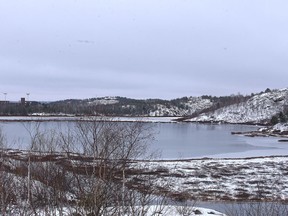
{"type": "Point", "coordinates": [104, 101]}
{"type": "Point", "coordinates": [258, 109]}
{"type": "Point", "coordinates": [196, 104]}
{"type": "Point", "coordinates": [231, 109]}
{"type": "Point", "coordinates": [193, 105]}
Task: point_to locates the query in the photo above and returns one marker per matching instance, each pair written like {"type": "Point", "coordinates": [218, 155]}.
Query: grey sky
{"type": "Point", "coordinates": [141, 48]}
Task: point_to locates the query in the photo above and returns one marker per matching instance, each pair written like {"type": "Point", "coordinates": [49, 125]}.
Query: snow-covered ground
{"type": "Point", "coordinates": [263, 178]}
{"type": "Point", "coordinates": [281, 127]}
{"type": "Point", "coordinates": [181, 210]}
{"type": "Point", "coordinates": [12, 158]}
{"type": "Point", "coordinates": [238, 179]}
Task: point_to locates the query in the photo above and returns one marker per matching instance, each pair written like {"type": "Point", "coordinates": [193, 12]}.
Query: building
{"type": "Point", "coordinates": [23, 101]}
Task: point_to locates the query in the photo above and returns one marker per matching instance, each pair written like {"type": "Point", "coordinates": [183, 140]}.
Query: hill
{"type": "Point", "coordinates": [261, 108]}
{"type": "Point", "coordinates": [121, 106]}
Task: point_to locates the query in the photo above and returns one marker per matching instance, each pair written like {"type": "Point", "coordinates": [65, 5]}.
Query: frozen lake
{"type": "Point", "coordinates": [178, 140]}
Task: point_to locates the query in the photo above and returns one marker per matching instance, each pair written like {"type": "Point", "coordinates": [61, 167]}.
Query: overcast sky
{"type": "Point", "coordinates": [59, 49]}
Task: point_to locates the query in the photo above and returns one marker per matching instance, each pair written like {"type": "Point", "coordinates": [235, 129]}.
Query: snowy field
{"type": "Point", "coordinates": [225, 179]}
{"type": "Point", "coordinates": [242, 179]}
{"type": "Point", "coordinates": [238, 179]}
{"type": "Point", "coordinates": [12, 160]}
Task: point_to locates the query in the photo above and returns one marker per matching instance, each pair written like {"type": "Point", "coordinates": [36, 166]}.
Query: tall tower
{"type": "Point", "coordinates": [5, 96]}
{"type": "Point", "coordinates": [28, 96]}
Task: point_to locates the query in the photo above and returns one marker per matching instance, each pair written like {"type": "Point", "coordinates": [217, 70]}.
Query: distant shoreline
{"type": "Point", "coordinates": [148, 119]}
{"type": "Point", "coordinates": [87, 118]}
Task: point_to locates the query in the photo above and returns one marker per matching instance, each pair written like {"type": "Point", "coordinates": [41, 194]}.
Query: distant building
{"type": "Point", "coordinates": [23, 101]}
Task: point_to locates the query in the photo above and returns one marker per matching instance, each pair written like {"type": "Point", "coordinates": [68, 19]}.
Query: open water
{"type": "Point", "coordinates": [176, 140]}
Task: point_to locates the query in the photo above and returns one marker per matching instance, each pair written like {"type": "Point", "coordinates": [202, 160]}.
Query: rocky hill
{"type": "Point", "coordinates": [260, 108]}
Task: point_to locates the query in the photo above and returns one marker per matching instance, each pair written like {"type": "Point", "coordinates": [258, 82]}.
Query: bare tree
{"type": "Point", "coordinates": [33, 131]}
{"type": "Point", "coordinates": [94, 171]}
{"type": "Point", "coordinates": [4, 177]}
{"type": "Point", "coordinates": [109, 146]}
{"type": "Point", "coordinates": [49, 191]}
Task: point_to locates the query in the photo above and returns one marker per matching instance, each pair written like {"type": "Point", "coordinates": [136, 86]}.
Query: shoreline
{"type": "Point", "coordinates": [88, 118]}
{"type": "Point", "coordinates": [156, 119]}
{"type": "Point", "coordinates": [279, 130]}
{"type": "Point", "coordinates": [15, 151]}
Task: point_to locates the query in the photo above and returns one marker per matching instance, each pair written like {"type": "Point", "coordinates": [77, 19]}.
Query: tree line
{"type": "Point", "coordinates": [122, 107]}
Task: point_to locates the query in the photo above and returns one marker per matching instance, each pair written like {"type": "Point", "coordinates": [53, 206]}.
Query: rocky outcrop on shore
{"type": "Point", "coordinates": [279, 130]}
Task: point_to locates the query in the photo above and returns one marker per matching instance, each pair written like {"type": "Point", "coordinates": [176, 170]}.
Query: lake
{"type": "Point", "coordinates": [179, 140]}
{"type": "Point", "coordinates": [190, 140]}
